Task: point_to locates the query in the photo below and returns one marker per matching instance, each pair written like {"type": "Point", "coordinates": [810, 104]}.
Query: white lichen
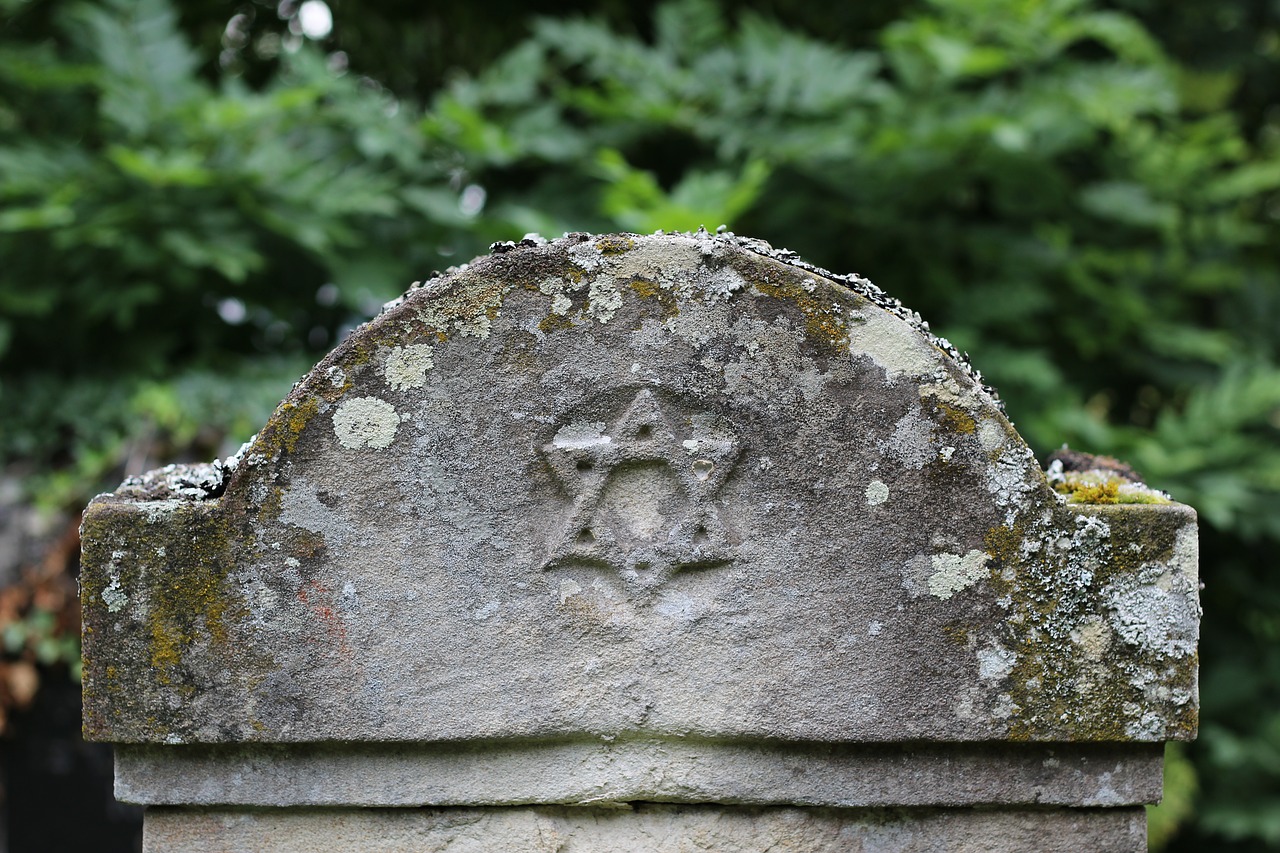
{"type": "Point", "coordinates": [301, 506]}
{"type": "Point", "coordinates": [953, 572]}
{"type": "Point", "coordinates": [894, 346]}
{"type": "Point", "coordinates": [586, 256]}
{"type": "Point", "coordinates": [877, 493]}
{"type": "Point", "coordinates": [568, 589]}
{"type": "Point", "coordinates": [1146, 612]}
{"type": "Point", "coordinates": [365, 422]}
{"type": "Point", "coordinates": [1093, 637]}
{"type": "Point", "coordinates": [603, 299]}
{"type": "Point", "coordinates": [710, 284]}
{"type": "Point", "coordinates": [114, 597]}
{"type": "Point", "coordinates": [467, 308]}
{"type": "Point", "coordinates": [912, 441]}
{"type": "Point", "coordinates": [995, 662]}
{"type": "Point", "coordinates": [946, 389]}
{"type": "Point", "coordinates": [674, 604]}
{"type": "Point", "coordinates": [1009, 480]}
{"type": "Point", "coordinates": [992, 435]}
{"type": "Point", "coordinates": [406, 367]}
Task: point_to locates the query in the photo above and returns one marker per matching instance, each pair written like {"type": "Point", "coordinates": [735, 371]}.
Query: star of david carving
{"type": "Point", "coordinates": [643, 489]}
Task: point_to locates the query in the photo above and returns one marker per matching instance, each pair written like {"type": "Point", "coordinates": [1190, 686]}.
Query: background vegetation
{"type": "Point", "coordinates": [197, 200]}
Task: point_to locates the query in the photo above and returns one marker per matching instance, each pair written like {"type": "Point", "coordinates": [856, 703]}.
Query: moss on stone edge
{"type": "Point", "coordinates": [175, 559]}
{"type": "Point", "coordinates": [824, 306]}
{"type": "Point", "coordinates": [1056, 594]}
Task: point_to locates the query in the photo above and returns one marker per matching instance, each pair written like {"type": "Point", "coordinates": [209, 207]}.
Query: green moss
{"type": "Point", "coordinates": [176, 563]}
{"type": "Point", "coordinates": [1091, 493]}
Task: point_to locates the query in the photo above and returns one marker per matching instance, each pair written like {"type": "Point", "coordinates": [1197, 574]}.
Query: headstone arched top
{"type": "Point", "coordinates": [672, 486]}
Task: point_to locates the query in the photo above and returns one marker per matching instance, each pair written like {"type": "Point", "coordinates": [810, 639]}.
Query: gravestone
{"type": "Point", "coordinates": [662, 542]}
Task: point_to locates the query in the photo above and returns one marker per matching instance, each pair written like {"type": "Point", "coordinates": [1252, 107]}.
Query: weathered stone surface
{"type": "Point", "coordinates": [637, 487]}
{"type": "Point", "coordinates": [652, 828]}
{"type": "Point", "coordinates": [643, 771]}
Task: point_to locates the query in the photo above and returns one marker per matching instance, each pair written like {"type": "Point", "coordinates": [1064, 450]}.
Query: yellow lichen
{"type": "Point", "coordinates": [957, 420]}
{"type": "Point", "coordinates": [285, 428]}
{"type": "Point", "coordinates": [553, 322]}
{"type": "Point", "coordinates": [665, 297]}
{"type": "Point", "coordinates": [824, 317]}
{"type": "Point", "coordinates": [615, 244]}
{"type": "Point", "coordinates": [1104, 487]}
{"type": "Point", "coordinates": [166, 650]}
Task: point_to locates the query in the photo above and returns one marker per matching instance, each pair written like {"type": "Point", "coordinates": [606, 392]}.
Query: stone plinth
{"type": "Point", "coordinates": [626, 521]}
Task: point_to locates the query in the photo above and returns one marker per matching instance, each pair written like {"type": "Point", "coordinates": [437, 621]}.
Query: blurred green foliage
{"type": "Point", "coordinates": [1069, 191]}
{"type": "Point", "coordinates": [38, 631]}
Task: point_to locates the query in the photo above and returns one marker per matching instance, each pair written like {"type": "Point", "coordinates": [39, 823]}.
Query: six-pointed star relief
{"type": "Point", "coordinates": [642, 494]}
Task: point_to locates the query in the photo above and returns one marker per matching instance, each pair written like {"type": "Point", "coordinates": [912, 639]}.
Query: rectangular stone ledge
{"type": "Point", "coordinates": [653, 828]}
{"type": "Point", "coordinates": [405, 775]}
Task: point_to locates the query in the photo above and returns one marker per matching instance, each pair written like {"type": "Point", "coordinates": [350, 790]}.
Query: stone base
{"type": "Point", "coordinates": [595, 773]}
{"type": "Point", "coordinates": [645, 827]}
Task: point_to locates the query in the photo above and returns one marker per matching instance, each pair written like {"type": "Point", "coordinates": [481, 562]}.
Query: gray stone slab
{"type": "Point", "coordinates": [636, 487]}
{"type": "Point", "coordinates": [664, 771]}
{"type": "Point", "coordinates": [648, 828]}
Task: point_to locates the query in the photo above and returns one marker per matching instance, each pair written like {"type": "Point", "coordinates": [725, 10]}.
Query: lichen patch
{"type": "Point", "coordinates": [406, 367]}
{"type": "Point", "coordinates": [301, 507]}
{"type": "Point", "coordinates": [991, 435]}
{"type": "Point", "coordinates": [603, 299]}
{"type": "Point", "coordinates": [1093, 637]}
{"type": "Point", "coordinates": [953, 572]}
{"type": "Point", "coordinates": [468, 307]}
{"type": "Point", "coordinates": [1153, 618]}
{"type": "Point", "coordinates": [114, 597]}
{"type": "Point", "coordinates": [895, 347]}
{"type": "Point", "coordinates": [995, 662]}
{"type": "Point", "coordinates": [365, 422]}
{"type": "Point", "coordinates": [588, 256]}
{"type": "Point", "coordinates": [912, 441]}
{"type": "Point", "coordinates": [877, 493]}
